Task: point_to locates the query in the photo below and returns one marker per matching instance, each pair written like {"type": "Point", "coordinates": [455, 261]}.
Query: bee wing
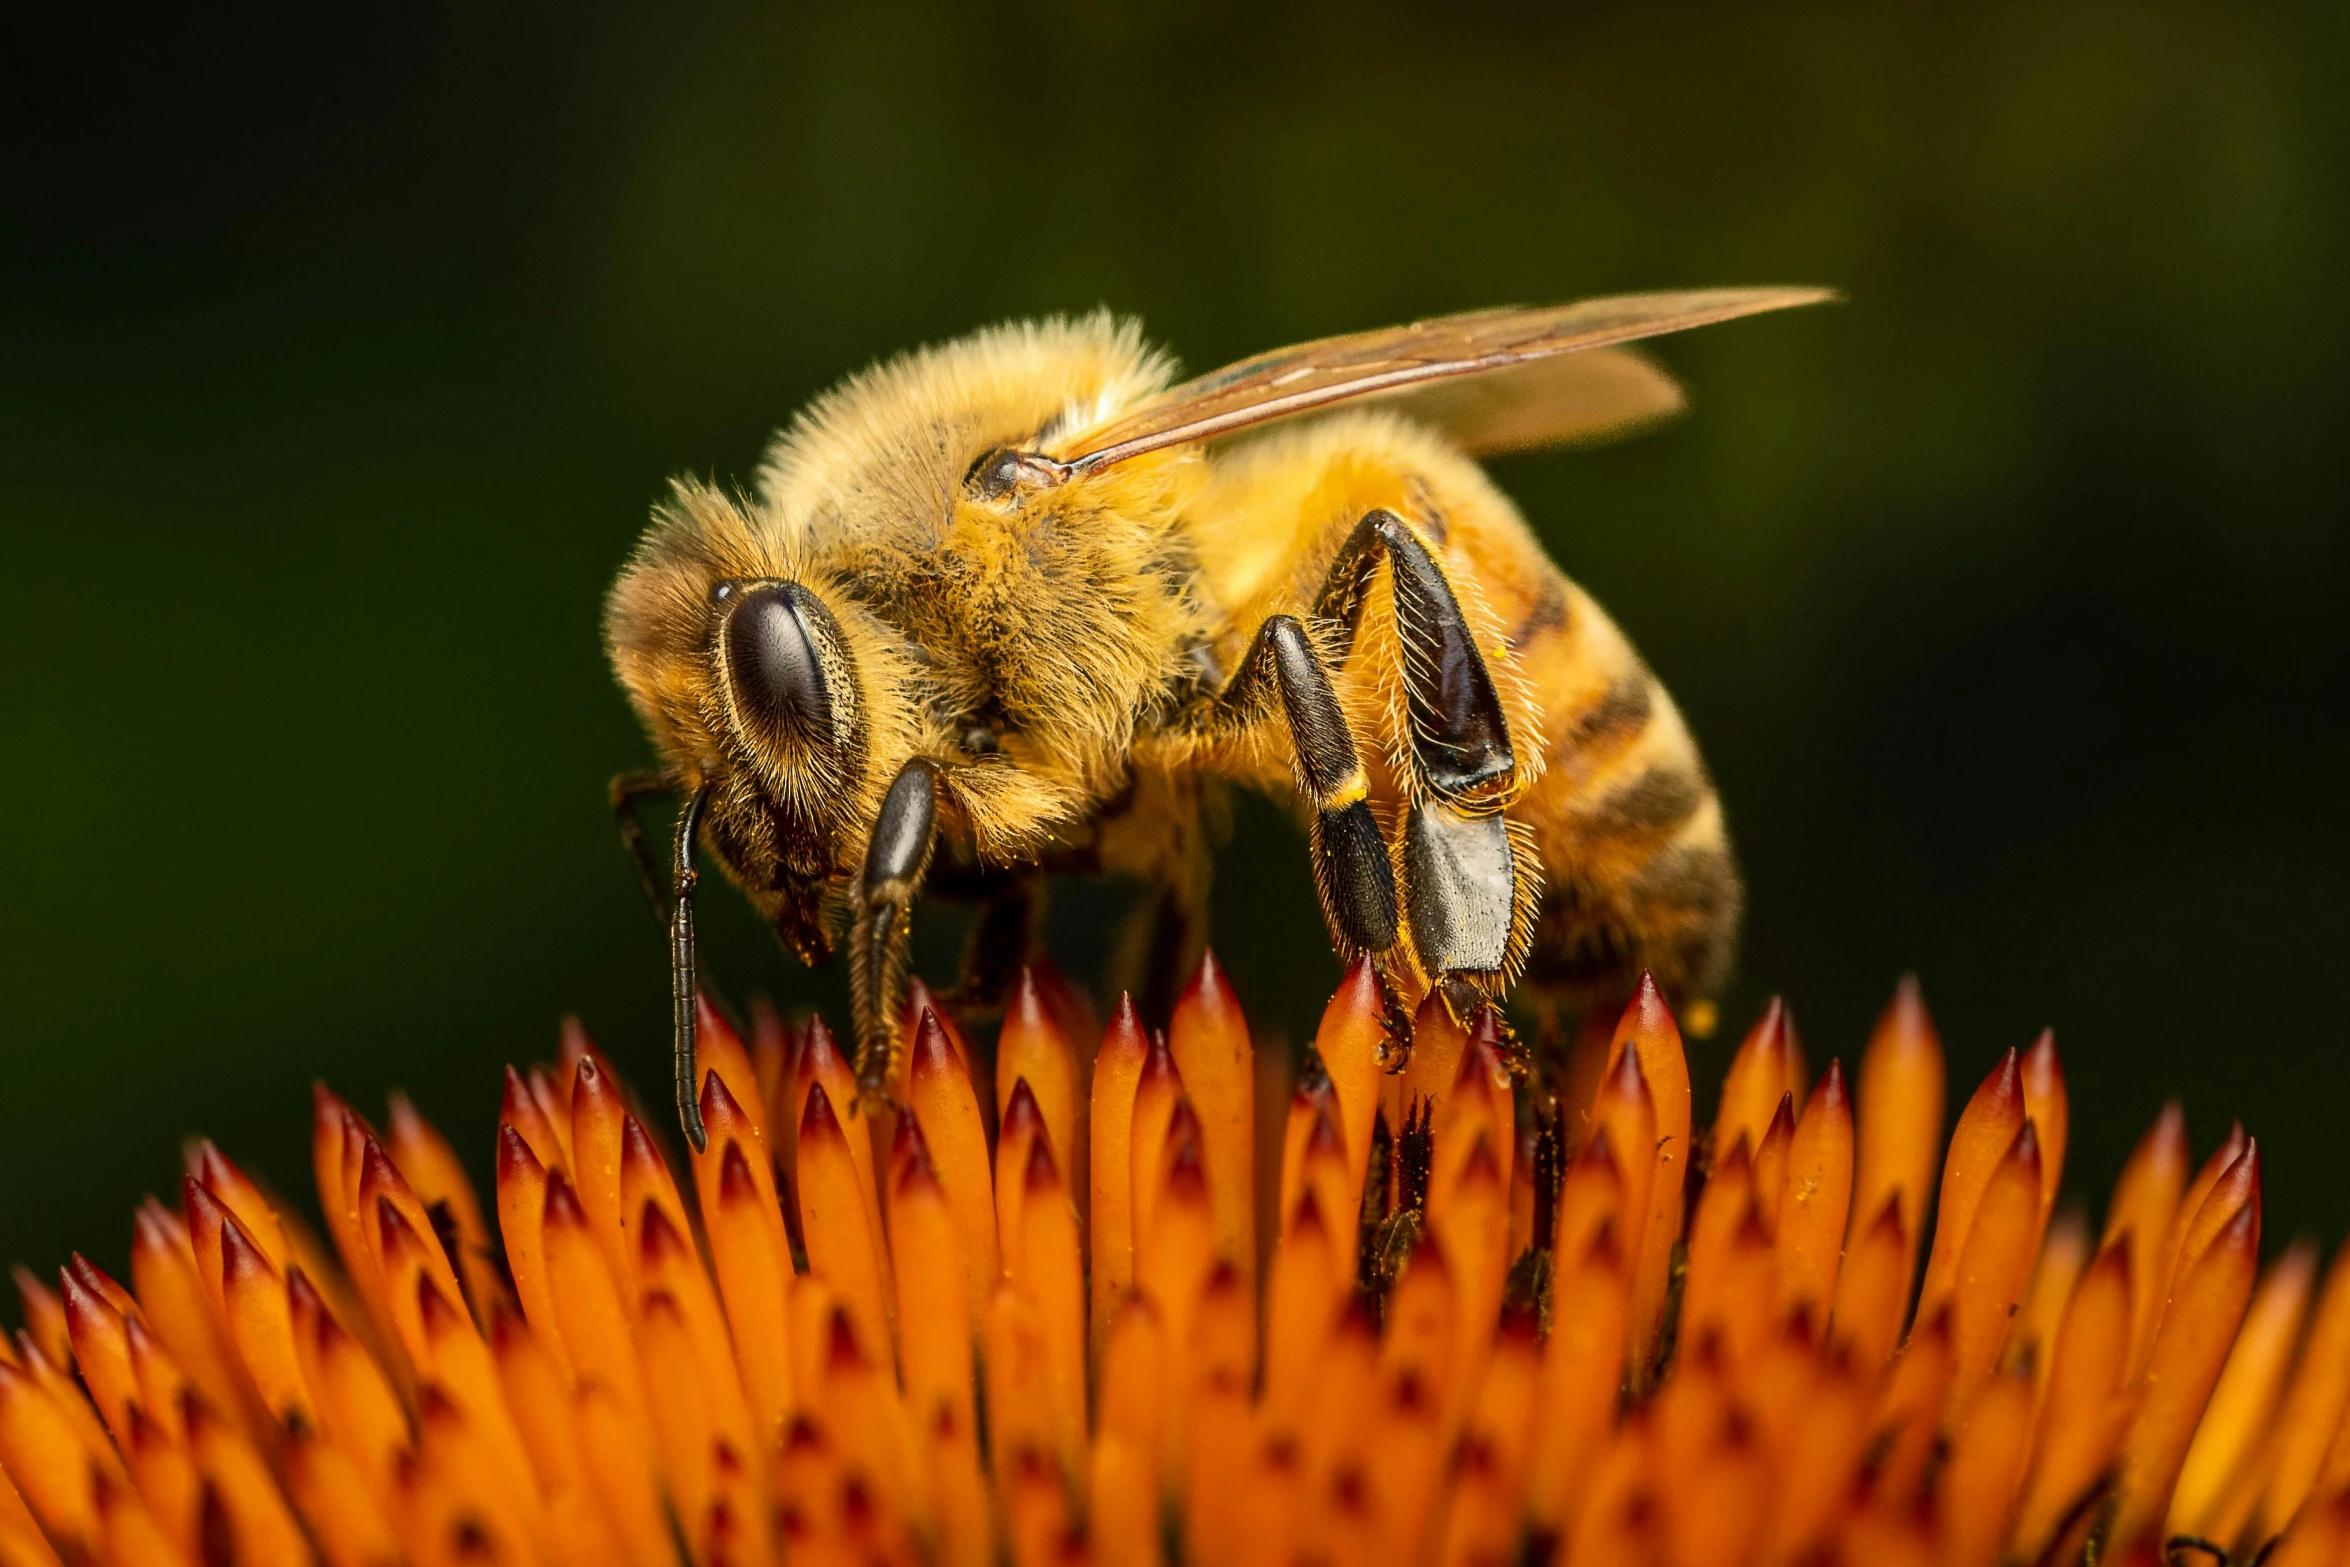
{"type": "Point", "coordinates": [1594, 395]}
{"type": "Point", "coordinates": [1334, 369]}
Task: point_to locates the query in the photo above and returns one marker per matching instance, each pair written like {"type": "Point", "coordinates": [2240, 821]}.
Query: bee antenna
{"type": "Point", "coordinates": [681, 969]}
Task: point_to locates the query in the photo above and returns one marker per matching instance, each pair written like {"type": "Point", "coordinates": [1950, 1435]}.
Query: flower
{"type": "Point", "coordinates": [1157, 1298]}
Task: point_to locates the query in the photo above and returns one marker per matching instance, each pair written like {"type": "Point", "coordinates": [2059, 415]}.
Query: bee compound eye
{"type": "Point", "coordinates": [995, 473]}
{"type": "Point", "coordinates": [1003, 469]}
{"type": "Point", "coordinates": [773, 669]}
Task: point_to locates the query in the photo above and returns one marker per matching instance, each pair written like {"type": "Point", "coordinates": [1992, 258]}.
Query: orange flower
{"type": "Point", "coordinates": [1076, 1302]}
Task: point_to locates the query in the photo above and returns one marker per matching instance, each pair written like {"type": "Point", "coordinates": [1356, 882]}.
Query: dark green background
{"type": "Point", "coordinates": [341, 352]}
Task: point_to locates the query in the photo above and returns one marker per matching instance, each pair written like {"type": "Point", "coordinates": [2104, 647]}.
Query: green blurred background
{"type": "Point", "coordinates": [341, 351]}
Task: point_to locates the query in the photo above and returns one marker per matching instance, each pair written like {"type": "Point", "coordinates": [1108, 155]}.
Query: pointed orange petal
{"type": "Point", "coordinates": [2144, 1206]}
{"type": "Point", "coordinates": [2063, 1254]}
{"type": "Point", "coordinates": [1352, 1043]}
{"type": "Point", "coordinates": [941, 1096]}
{"type": "Point", "coordinates": [101, 1351]}
{"type": "Point", "coordinates": [261, 1327]}
{"type": "Point", "coordinates": [1995, 1266]}
{"type": "Point", "coordinates": [597, 1113]}
{"type": "Point", "coordinates": [1302, 1294]}
{"type": "Point", "coordinates": [336, 1506]}
{"type": "Point", "coordinates": [934, 1349]}
{"type": "Point", "coordinates": [2206, 1308]}
{"type": "Point", "coordinates": [721, 1055]}
{"type": "Point", "coordinates": [1817, 1199]}
{"type": "Point", "coordinates": [2243, 1410]}
{"type": "Point", "coordinates": [1986, 1129]}
{"type": "Point", "coordinates": [1482, 1521]}
{"type": "Point", "coordinates": [1647, 1030]}
{"type": "Point", "coordinates": [666, 1263]}
{"type": "Point", "coordinates": [2049, 1105]}
{"type": "Point", "coordinates": [179, 1310]}
{"type": "Point", "coordinates": [1980, 1478]}
{"type": "Point", "coordinates": [842, 1250]}
{"type": "Point", "coordinates": [382, 1184]}
{"type": "Point", "coordinates": [1054, 1277]}
{"type": "Point", "coordinates": [755, 1280]}
{"type": "Point", "coordinates": [1909, 1417]}
{"type": "Point", "coordinates": [356, 1403]}
{"type": "Point", "coordinates": [1173, 1264]}
{"type": "Point", "coordinates": [1872, 1289]}
{"type": "Point", "coordinates": [2315, 1401]}
{"type": "Point", "coordinates": [262, 1530]}
{"type": "Point", "coordinates": [1435, 1064]}
{"type": "Point", "coordinates": [593, 1323]}
{"type": "Point", "coordinates": [1593, 1196]}
{"type": "Point", "coordinates": [1209, 1040]}
{"type": "Point", "coordinates": [1157, 1091]}
{"type": "Point", "coordinates": [1022, 1125]}
{"type": "Point", "coordinates": [726, 1120]}
{"type": "Point", "coordinates": [1582, 1368]}
{"type": "Point", "coordinates": [241, 1195]}
{"type": "Point", "coordinates": [46, 1460]}
{"type": "Point", "coordinates": [1117, 1072]}
{"type": "Point", "coordinates": [2082, 1412]}
{"type": "Point", "coordinates": [1771, 1157]}
{"type": "Point", "coordinates": [821, 1061]}
{"type": "Point", "coordinates": [522, 1110]}
{"type": "Point", "coordinates": [1899, 1119]}
{"type": "Point", "coordinates": [1757, 1078]}
{"type": "Point", "coordinates": [541, 1404]}
{"type": "Point", "coordinates": [621, 1476]}
{"type": "Point", "coordinates": [522, 1204]}
{"type": "Point", "coordinates": [1032, 1048]}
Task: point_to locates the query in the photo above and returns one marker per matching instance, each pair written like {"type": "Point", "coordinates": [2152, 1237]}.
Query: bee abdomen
{"type": "Point", "coordinates": [1636, 863]}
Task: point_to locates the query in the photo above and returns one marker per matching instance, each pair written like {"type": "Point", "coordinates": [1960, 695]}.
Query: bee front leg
{"type": "Point", "coordinates": [1352, 873]}
{"type": "Point", "coordinates": [896, 857]}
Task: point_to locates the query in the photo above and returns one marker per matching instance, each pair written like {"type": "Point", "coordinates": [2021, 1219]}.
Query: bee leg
{"type": "Point", "coordinates": [1462, 876]}
{"type": "Point", "coordinates": [1470, 890]}
{"type": "Point", "coordinates": [1352, 873]}
{"type": "Point", "coordinates": [999, 942]}
{"type": "Point", "coordinates": [896, 856]}
{"type": "Point", "coordinates": [625, 790]}
{"type": "Point", "coordinates": [1460, 738]}
{"type": "Point", "coordinates": [1172, 933]}
{"type": "Point", "coordinates": [681, 969]}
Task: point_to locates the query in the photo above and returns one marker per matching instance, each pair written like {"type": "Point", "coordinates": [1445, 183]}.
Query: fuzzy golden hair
{"type": "Point", "coordinates": [1062, 628]}
{"type": "Point", "coordinates": [1041, 601]}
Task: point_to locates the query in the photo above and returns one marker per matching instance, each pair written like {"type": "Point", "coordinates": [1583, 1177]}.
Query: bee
{"type": "Point", "coordinates": [1021, 604]}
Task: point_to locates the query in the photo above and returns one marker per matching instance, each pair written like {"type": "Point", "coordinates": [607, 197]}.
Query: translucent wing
{"type": "Point", "coordinates": [1335, 369]}
{"type": "Point", "coordinates": [1595, 395]}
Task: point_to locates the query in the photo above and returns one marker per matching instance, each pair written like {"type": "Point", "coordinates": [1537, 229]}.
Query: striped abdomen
{"type": "Point", "coordinates": [1637, 869]}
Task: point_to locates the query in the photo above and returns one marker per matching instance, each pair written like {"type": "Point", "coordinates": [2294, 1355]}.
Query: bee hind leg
{"type": "Point", "coordinates": [1352, 873]}
{"type": "Point", "coordinates": [1459, 740]}
{"type": "Point", "coordinates": [896, 857]}
{"type": "Point", "coordinates": [1470, 878]}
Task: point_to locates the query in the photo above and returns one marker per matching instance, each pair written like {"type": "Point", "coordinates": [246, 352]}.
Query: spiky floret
{"type": "Point", "coordinates": [1496, 1316]}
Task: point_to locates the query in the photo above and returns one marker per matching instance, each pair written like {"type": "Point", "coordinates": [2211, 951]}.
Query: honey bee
{"type": "Point", "coordinates": [1021, 604]}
